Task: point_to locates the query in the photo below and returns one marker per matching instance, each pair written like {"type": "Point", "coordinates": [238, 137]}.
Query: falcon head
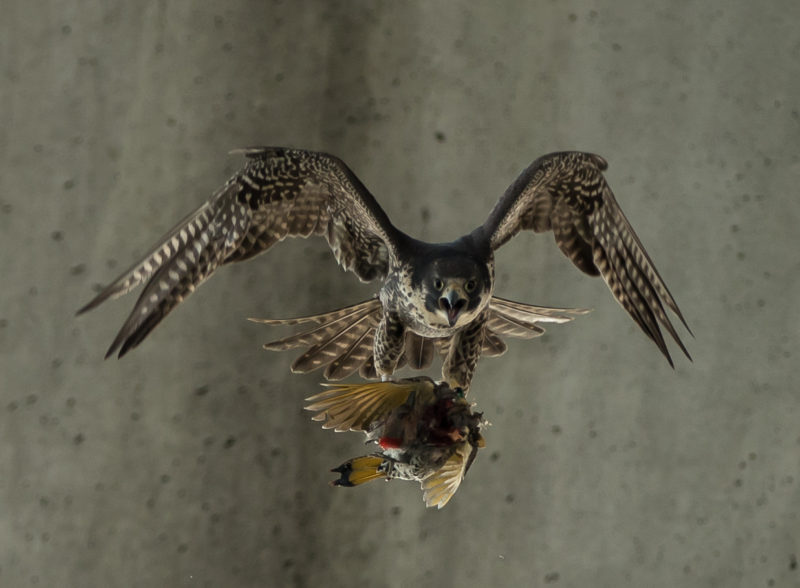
{"type": "Point", "coordinates": [455, 289]}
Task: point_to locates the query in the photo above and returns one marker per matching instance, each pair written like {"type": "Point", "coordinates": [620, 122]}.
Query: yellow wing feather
{"type": "Point", "coordinates": [354, 407]}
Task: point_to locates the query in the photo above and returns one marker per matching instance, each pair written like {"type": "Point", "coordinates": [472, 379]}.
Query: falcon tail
{"type": "Point", "coordinates": [341, 340]}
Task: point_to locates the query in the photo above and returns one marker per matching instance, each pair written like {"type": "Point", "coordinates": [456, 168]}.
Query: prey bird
{"type": "Point", "coordinates": [434, 297]}
{"type": "Point", "coordinates": [426, 432]}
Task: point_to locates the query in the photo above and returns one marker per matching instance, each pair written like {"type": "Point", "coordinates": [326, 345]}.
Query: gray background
{"type": "Point", "coordinates": [191, 463]}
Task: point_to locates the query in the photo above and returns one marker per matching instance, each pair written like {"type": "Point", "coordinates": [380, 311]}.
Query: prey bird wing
{"type": "Point", "coordinates": [355, 407]}
{"type": "Point", "coordinates": [278, 193]}
{"type": "Point", "coordinates": [439, 487]}
{"type": "Point", "coordinates": [567, 194]}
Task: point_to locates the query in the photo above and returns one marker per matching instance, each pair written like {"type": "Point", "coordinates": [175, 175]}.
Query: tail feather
{"type": "Point", "coordinates": [334, 346]}
{"type": "Point", "coordinates": [329, 323]}
{"type": "Point", "coordinates": [322, 318]}
{"type": "Point", "coordinates": [367, 371]}
{"type": "Point", "coordinates": [349, 361]}
{"type": "Point", "coordinates": [493, 345]}
{"type": "Point", "coordinates": [359, 470]}
{"type": "Point", "coordinates": [511, 327]}
{"type": "Point", "coordinates": [530, 313]}
{"type": "Point", "coordinates": [341, 340]}
{"type": "Point", "coordinates": [419, 351]}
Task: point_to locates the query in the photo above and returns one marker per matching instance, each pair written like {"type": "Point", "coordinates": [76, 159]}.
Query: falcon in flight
{"type": "Point", "coordinates": [434, 297]}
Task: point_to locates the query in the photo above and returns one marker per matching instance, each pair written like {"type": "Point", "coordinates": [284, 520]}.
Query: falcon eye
{"type": "Point", "coordinates": [470, 286]}
{"type": "Point", "coordinates": [438, 284]}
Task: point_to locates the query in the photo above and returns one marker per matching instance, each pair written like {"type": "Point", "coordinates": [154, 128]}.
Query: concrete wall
{"type": "Point", "coordinates": [191, 463]}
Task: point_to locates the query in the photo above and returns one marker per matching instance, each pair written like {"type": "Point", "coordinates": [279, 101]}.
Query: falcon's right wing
{"type": "Point", "coordinates": [278, 193]}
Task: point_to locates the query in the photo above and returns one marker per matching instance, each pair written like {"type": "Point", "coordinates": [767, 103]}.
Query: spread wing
{"type": "Point", "coordinates": [279, 193]}
{"type": "Point", "coordinates": [567, 194]}
{"type": "Point", "coordinates": [354, 407]}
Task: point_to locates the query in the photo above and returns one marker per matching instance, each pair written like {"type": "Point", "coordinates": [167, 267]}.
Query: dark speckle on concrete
{"type": "Point", "coordinates": [229, 442]}
{"type": "Point", "coordinates": [78, 439]}
{"type": "Point", "coordinates": [440, 136]}
{"type": "Point", "coordinates": [551, 578]}
{"type": "Point", "coordinates": [201, 390]}
{"type": "Point", "coordinates": [793, 562]}
{"type": "Point", "coordinates": [57, 235]}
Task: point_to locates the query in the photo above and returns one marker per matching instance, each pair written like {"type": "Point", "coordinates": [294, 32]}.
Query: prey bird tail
{"type": "Point", "coordinates": [359, 470]}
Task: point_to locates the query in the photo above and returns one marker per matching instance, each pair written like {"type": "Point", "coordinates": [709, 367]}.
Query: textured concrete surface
{"type": "Point", "coordinates": [191, 463]}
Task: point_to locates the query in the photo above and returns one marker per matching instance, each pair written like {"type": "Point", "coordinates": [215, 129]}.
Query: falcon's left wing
{"type": "Point", "coordinates": [566, 193]}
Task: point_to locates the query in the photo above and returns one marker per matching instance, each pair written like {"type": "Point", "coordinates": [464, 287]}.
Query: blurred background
{"type": "Point", "coordinates": [191, 462]}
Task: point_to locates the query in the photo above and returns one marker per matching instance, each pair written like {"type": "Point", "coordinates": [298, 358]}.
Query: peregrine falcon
{"type": "Point", "coordinates": [435, 297]}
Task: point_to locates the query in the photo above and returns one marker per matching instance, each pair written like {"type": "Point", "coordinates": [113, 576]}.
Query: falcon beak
{"type": "Point", "coordinates": [452, 303]}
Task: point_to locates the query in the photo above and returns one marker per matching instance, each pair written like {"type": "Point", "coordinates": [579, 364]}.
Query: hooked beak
{"type": "Point", "coordinates": [452, 303]}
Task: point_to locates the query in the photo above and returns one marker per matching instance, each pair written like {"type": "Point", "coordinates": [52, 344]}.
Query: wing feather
{"type": "Point", "coordinates": [439, 487]}
{"type": "Point", "coordinates": [567, 194]}
{"type": "Point", "coordinates": [278, 193]}
{"type": "Point", "coordinates": [354, 407]}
